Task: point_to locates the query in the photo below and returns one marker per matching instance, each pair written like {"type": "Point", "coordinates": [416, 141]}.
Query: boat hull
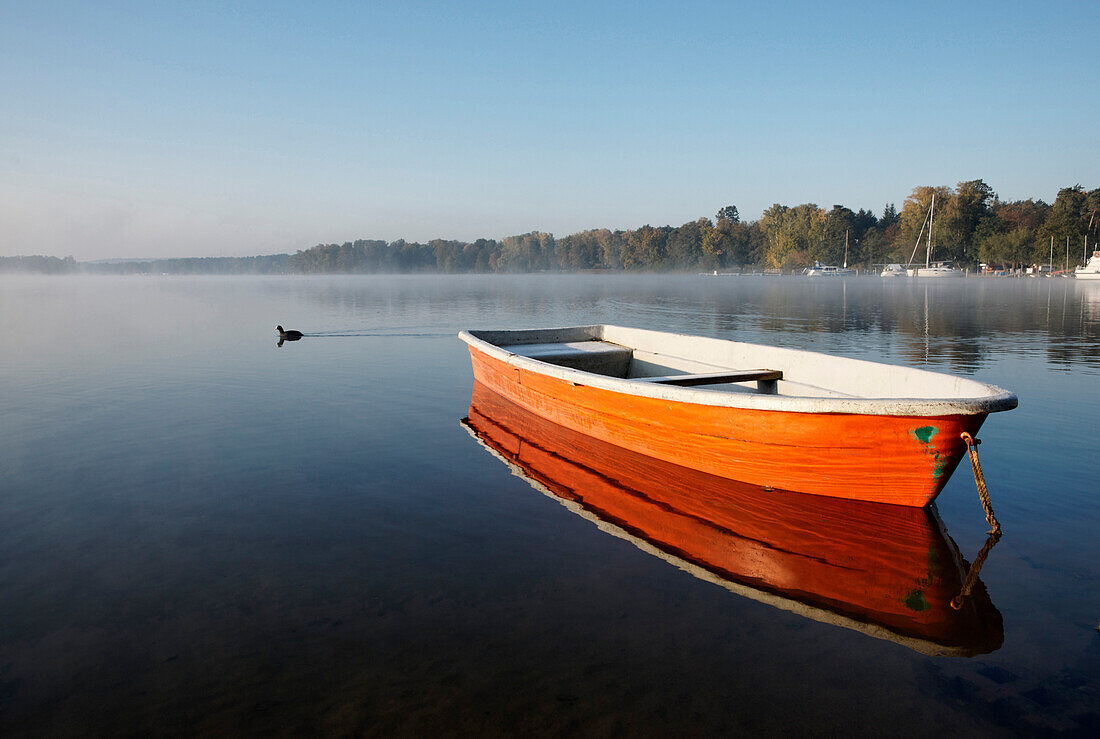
{"type": "Point", "coordinates": [934, 272]}
{"type": "Point", "coordinates": [887, 571]}
{"type": "Point", "coordinates": [894, 459]}
{"type": "Point", "coordinates": [1091, 270]}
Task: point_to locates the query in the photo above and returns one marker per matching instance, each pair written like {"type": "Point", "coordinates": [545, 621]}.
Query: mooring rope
{"type": "Point", "coordinates": [972, 576]}
{"type": "Point", "coordinates": [995, 527]}
{"type": "Point", "coordinates": [979, 480]}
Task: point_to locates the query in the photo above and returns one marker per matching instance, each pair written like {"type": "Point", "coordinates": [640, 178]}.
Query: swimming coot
{"type": "Point", "coordinates": [291, 335]}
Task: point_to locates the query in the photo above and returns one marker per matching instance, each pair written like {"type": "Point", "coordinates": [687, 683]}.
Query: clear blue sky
{"type": "Point", "coordinates": [194, 128]}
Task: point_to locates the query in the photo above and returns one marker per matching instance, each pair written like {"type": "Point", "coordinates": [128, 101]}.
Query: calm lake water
{"type": "Point", "coordinates": [202, 532]}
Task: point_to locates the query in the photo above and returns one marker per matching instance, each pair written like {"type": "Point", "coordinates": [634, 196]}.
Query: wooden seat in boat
{"type": "Point", "coordinates": [605, 358]}
{"type": "Point", "coordinates": [716, 378]}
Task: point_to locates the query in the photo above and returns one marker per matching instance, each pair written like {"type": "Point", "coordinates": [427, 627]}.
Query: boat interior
{"type": "Point", "coordinates": [591, 353]}
{"type": "Point", "coordinates": [724, 366]}
{"type": "Point", "coordinates": [614, 360]}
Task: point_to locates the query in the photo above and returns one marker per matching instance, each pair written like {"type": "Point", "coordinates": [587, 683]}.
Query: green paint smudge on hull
{"type": "Point", "coordinates": [925, 433]}
{"type": "Point", "coordinates": [941, 465]}
{"type": "Point", "coordinates": [916, 601]}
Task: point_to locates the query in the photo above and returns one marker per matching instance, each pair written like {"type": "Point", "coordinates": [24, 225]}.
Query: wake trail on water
{"type": "Point", "coordinates": [353, 333]}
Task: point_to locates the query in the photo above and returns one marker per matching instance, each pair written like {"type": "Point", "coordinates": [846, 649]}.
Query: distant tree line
{"type": "Point", "coordinates": [972, 225]}
{"type": "Point", "coordinates": [36, 263]}
{"type": "Point", "coordinates": [261, 265]}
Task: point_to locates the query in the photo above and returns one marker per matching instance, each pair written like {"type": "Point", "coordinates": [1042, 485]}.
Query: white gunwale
{"type": "Point", "coordinates": [911, 392]}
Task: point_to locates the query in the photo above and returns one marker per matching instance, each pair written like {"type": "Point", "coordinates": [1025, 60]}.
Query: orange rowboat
{"type": "Point", "coordinates": [778, 418]}
{"type": "Point", "coordinates": [886, 571]}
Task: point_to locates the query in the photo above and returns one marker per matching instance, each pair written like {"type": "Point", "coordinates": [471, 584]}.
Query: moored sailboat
{"type": "Point", "coordinates": [825, 270]}
{"type": "Point", "coordinates": [930, 268]}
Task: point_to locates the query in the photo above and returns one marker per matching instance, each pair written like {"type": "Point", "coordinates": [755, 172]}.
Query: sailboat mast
{"type": "Point", "coordinates": [916, 244]}
{"type": "Point", "coordinates": [1085, 254]}
{"type": "Point", "coordinates": [845, 248]}
{"type": "Point", "coordinates": [931, 215]}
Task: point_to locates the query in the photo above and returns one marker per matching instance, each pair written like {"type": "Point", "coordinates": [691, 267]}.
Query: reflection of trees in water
{"type": "Point", "coordinates": [1074, 320]}
{"type": "Point", "coordinates": [440, 300]}
{"type": "Point", "coordinates": [957, 324]}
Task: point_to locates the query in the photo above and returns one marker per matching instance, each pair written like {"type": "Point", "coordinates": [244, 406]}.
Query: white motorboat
{"type": "Point", "coordinates": [939, 269]}
{"type": "Point", "coordinates": [825, 270]}
{"type": "Point", "coordinates": [1090, 271]}
{"type": "Point", "coordinates": [894, 270]}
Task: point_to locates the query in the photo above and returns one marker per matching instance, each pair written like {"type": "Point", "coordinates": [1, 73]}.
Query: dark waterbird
{"type": "Point", "coordinates": [285, 335]}
{"type": "Point", "coordinates": [290, 335]}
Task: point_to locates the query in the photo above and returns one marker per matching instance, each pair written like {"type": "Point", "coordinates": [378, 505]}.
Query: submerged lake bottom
{"type": "Point", "coordinates": [202, 532]}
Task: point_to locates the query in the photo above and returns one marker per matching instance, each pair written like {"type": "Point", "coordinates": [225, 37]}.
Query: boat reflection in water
{"type": "Point", "coordinates": [888, 571]}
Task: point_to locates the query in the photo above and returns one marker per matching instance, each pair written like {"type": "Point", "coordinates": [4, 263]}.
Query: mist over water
{"type": "Point", "coordinates": [201, 531]}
